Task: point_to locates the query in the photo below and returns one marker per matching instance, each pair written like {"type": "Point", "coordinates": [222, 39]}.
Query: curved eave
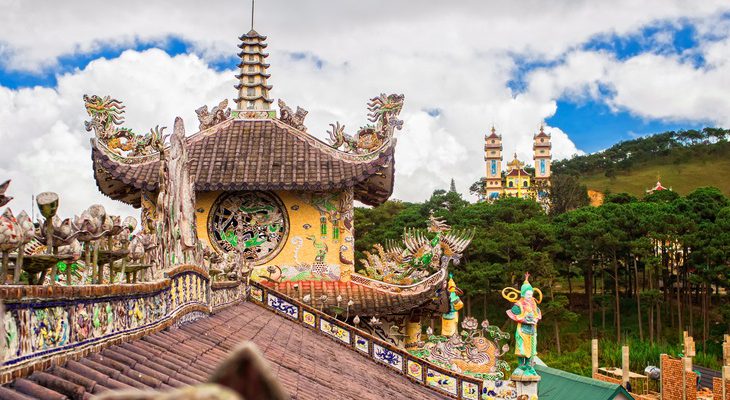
{"type": "Point", "coordinates": [253, 84]}
{"type": "Point", "coordinates": [252, 53]}
{"type": "Point", "coordinates": [372, 183]}
{"type": "Point", "coordinates": [253, 98]}
{"type": "Point", "coordinates": [252, 73]}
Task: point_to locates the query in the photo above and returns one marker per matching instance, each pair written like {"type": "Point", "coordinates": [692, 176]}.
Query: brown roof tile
{"type": "Point", "coordinates": [255, 155]}
{"type": "Point", "coordinates": [307, 366]}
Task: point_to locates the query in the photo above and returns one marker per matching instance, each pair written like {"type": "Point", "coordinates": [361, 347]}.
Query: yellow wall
{"type": "Point", "coordinates": [303, 231]}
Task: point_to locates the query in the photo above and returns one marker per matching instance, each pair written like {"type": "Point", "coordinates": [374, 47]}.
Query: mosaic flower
{"type": "Point", "coordinates": [470, 323]}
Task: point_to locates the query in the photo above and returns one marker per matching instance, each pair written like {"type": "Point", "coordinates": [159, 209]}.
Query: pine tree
{"type": "Point", "coordinates": [452, 188]}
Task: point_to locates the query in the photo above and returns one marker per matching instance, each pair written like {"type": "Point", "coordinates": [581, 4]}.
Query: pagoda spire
{"type": "Point", "coordinates": [253, 91]}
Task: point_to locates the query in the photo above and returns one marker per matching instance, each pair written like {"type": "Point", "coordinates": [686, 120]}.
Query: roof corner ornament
{"type": "Point", "coordinates": [218, 114]}
{"type": "Point", "coordinates": [106, 120]}
{"type": "Point", "coordinates": [384, 111]}
{"type": "Point", "coordinates": [293, 119]}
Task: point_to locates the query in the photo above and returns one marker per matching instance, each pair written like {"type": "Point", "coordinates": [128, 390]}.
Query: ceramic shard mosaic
{"type": "Point", "coordinates": [283, 306]}
{"type": "Point", "coordinates": [252, 223]}
{"type": "Point", "coordinates": [387, 357]}
{"type": "Point", "coordinates": [335, 331]}
{"type": "Point", "coordinates": [362, 344]}
{"type": "Point", "coordinates": [441, 381]}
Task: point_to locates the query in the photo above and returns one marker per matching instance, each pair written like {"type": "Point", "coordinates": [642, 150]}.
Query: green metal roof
{"type": "Point", "coordinates": [557, 384]}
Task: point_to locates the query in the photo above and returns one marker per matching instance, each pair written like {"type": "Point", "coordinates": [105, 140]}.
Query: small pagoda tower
{"type": "Point", "coordinates": [493, 157]}
{"type": "Point", "coordinates": [253, 92]}
{"type": "Point", "coordinates": [542, 157]}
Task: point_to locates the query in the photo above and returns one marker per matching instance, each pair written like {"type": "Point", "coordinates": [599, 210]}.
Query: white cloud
{"type": "Point", "coordinates": [45, 146]}
{"type": "Point", "coordinates": [455, 57]}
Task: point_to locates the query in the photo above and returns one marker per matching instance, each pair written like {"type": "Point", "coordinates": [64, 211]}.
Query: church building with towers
{"type": "Point", "coordinates": [515, 181]}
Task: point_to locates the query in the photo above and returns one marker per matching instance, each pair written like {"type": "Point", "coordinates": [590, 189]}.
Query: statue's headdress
{"type": "Point", "coordinates": [526, 285]}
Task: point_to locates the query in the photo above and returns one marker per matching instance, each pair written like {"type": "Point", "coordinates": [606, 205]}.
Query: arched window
{"type": "Point", "coordinates": [524, 183]}
{"type": "Point", "coordinates": [511, 184]}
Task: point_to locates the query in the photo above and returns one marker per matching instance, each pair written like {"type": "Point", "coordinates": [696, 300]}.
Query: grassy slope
{"type": "Point", "coordinates": [682, 178]}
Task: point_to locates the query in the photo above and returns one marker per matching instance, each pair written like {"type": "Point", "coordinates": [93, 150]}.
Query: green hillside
{"type": "Point", "coordinates": [684, 161]}
{"type": "Point", "coordinates": [682, 177]}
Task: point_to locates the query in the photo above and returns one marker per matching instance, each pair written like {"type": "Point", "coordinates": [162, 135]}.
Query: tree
{"type": "Point", "coordinates": [452, 187]}
{"type": "Point", "coordinates": [566, 193]}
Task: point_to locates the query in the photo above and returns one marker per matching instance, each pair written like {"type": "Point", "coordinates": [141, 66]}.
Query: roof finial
{"type": "Point", "coordinates": [542, 127]}
{"type": "Point", "coordinates": [494, 131]}
{"type": "Point", "coordinates": [253, 3]}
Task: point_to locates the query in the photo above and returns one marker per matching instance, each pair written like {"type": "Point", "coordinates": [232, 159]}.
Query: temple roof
{"type": "Point", "coordinates": [307, 365]}
{"type": "Point", "coordinates": [517, 172]}
{"type": "Point", "coordinates": [261, 154]}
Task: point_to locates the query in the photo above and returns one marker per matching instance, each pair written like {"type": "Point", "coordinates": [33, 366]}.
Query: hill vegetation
{"type": "Point", "coordinates": [684, 161]}
{"type": "Point", "coordinates": [636, 271]}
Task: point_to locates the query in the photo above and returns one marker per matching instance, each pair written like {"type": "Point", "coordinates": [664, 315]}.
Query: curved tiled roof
{"type": "Point", "coordinates": [307, 366]}
{"type": "Point", "coordinates": [260, 154]}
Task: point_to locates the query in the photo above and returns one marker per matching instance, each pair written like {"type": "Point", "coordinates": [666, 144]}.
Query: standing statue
{"type": "Point", "coordinates": [176, 203]}
{"type": "Point", "coordinates": [450, 319]}
{"type": "Point", "coordinates": [526, 313]}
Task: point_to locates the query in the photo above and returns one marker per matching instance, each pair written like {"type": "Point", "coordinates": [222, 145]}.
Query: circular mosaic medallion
{"type": "Point", "coordinates": [254, 223]}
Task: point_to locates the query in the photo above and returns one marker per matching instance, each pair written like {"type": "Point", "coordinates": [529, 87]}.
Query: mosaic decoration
{"type": "Point", "coordinates": [224, 296]}
{"type": "Point", "coordinates": [384, 111]}
{"type": "Point", "coordinates": [499, 390]}
{"type": "Point", "coordinates": [303, 270]}
{"type": "Point", "coordinates": [334, 331]}
{"type": "Point", "coordinates": [415, 370]}
{"type": "Point", "coordinates": [419, 256]}
{"type": "Point", "coordinates": [474, 351]}
{"type": "Point", "coordinates": [253, 223]}
{"type": "Point", "coordinates": [387, 357]}
{"type": "Point", "coordinates": [293, 119]}
{"type": "Point", "coordinates": [413, 367]}
{"type": "Point", "coordinates": [283, 306]}
{"type": "Point", "coordinates": [441, 381]}
{"type": "Point", "coordinates": [218, 114]}
{"type": "Point", "coordinates": [362, 344]}
{"type": "Point", "coordinates": [40, 328]}
{"type": "Point", "coordinates": [106, 117]}
{"type": "Point", "coordinates": [469, 390]}
{"type": "Point", "coordinates": [309, 318]}
{"type": "Point", "coordinates": [257, 294]}
{"type": "Point", "coordinates": [527, 314]}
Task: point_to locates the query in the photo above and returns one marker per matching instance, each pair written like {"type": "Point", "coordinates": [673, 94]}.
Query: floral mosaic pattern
{"type": "Point", "coordinates": [415, 370]}
{"type": "Point", "coordinates": [499, 389]}
{"type": "Point", "coordinates": [35, 328]}
{"type": "Point", "coordinates": [387, 357]}
{"type": "Point", "coordinates": [283, 306]}
{"type": "Point", "coordinates": [441, 381]}
{"type": "Point", "coordinates": [469, 390]}
{"type": "Point", "coordinates": [412, 366]}
{"type": "Point", "coordinates": [334, 331]}
{"type": "Point", "coordinates": [257, 294]}
{"type": "Point", "coordinates": [362, 344]}
{"type": "Point", "coordinates": [309, 318]}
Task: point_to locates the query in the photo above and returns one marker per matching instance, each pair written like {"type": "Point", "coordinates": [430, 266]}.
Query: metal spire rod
{"type": "Point", "coordinates": [253, 3]}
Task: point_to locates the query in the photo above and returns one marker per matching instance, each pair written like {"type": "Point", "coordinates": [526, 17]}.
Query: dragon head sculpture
{"type": "Point", "coordinates": [106, 120]}
{"type": "Point", "coordinates": [383, 113]}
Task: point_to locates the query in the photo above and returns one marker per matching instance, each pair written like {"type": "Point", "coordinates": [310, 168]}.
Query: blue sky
{"type": "Point", "coordinates": [590, 122]}
{"type": "Point", "coordinates": [594, 72]}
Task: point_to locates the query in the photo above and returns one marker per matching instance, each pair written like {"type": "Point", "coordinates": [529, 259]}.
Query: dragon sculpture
{"type": "Point", "coordinates": [384, 111]}
{"type": "Point", "coordinates": [106, 118]}
{"type": "Point", "coordinates": [474, 351]}
{"type": "Point", "coordinates": [218, 114]}
{"type": "Point", "coordinates": [293, 119]}
{"type": "Point", "coordinates": [419, 256]}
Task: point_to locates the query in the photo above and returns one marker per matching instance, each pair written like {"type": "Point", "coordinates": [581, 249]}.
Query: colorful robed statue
{"type": "Point", "coordinates": [526, 313]}
{"type": "Point", "coordinates": [450, 319]}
